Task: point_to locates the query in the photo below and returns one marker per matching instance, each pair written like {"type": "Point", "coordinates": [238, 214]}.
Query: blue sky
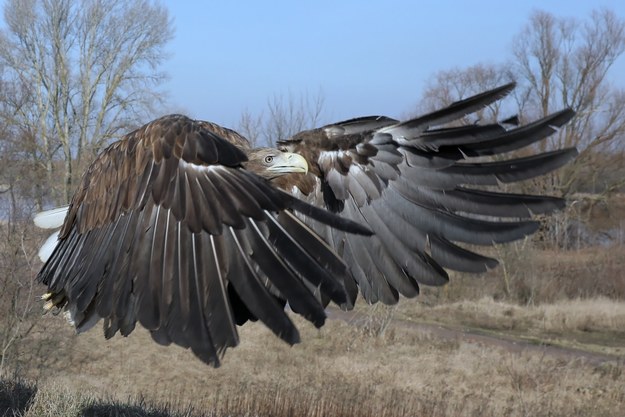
{"type": "Point", "coordinates": [366, 57]}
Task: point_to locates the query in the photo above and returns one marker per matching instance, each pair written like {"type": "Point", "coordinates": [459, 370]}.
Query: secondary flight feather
{"type": "Point", "coordinates": [184, 228]}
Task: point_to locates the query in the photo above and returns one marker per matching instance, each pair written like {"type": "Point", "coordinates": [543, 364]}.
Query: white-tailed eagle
{"type": "Point", "coordinates": [183, 227]}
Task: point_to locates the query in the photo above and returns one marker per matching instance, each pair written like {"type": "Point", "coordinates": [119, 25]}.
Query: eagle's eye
{"type": "Point", "coordinates": [268, 159]}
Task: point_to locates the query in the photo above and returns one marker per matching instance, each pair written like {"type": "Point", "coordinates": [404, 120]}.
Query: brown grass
{"type": "Point", "coordinates": [529, 275]}
{"type": "Point", "coordinates": [597, 314]}
{"type": "Point", "coordinates": [596, 325]}
{"type": "Point", "coordinates": [574, 298]}
{"type": "Point", "coordinates": [338, 370]}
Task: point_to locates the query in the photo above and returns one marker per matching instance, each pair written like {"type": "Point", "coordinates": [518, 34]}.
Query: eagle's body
{"type": "Point", "coordinates": [182, 227]}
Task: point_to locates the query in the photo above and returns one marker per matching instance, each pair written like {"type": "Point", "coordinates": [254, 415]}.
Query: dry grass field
{"type": "Point", "coordinates": [341, 369]}
{"type": "Point", "coordinates": [542, 335]}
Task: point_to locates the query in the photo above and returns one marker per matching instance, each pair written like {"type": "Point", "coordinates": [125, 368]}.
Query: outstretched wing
{"type": "Point", "coordinates": [414, 184]}
{"type": "Point", "coordinates": [168, 230]}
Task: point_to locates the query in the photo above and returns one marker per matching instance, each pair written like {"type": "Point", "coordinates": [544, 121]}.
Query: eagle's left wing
{"type": "Point", "coordinates": [417, 186]}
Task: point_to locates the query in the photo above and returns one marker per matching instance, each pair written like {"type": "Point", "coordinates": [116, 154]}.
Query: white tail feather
{"type": "Point", "coordinates": [51, 219]}
{"type": "Point", "coordinates": [48, 246]}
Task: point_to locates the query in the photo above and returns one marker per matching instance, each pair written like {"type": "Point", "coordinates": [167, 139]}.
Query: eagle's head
{"type": "Point", "coordinates": [271, 163]}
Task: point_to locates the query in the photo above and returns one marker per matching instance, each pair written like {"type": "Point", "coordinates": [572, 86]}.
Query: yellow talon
{"type": "Point", "coordinates": [47, 296]}
{"type": "Point", "coordinates": [48, 305]}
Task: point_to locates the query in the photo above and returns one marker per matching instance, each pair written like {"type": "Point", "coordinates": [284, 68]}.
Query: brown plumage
{"type": "Point", "coordinates": [169, 230]}
{"type": "Point", "coordinates": [172, 228]}
{"type": "Point", "coordinates": [414, 183]}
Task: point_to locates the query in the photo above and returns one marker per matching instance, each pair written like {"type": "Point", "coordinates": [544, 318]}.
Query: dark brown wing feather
{"type": "Point", "coordinates": [168, 230]}
{"type": "Point", "coordinates": [413, 184]}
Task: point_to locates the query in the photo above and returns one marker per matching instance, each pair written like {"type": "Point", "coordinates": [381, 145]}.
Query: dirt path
{"type": "Point", "coordinates": [474, 336]}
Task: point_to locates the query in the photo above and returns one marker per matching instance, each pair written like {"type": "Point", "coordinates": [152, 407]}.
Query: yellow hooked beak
{"type": "Point", "coordinates": [287, 162]}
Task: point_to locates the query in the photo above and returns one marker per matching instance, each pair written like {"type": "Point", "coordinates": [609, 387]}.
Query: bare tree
{"type": "Point", "coordinates": [72, 75]}
{"type": "Point", "coordinates": [563, 62]}
{"type": "Point", "coordinates": [557, 63]}
{"type": "Point", "coordinates": [451, 85]}
{"type": "Point", "coordinates": [16, 246]}
{"type": "Point", "coordinates": [251, 127]}
{"type": "Point", "coordinates": [88, 70]}
{"type": "Point", "coordinates": [285, 116]}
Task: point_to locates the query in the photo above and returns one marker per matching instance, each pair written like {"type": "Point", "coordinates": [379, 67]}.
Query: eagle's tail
{"type": "Point", "coordinates": [50, 219]}
{"type": "Point", "coordinates": [48, 246]}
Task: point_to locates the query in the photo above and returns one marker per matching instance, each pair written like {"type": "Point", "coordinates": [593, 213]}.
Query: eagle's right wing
{"type": "Point", "coordinates": [169, 230]}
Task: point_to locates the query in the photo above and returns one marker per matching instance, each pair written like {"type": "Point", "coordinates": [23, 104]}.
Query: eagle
{"type": "Point", "coordinates": [183, 227]}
